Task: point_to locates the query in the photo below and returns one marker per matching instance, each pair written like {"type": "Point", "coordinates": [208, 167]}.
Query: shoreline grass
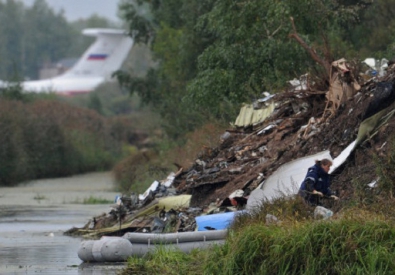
{"type": "Point", "coordinates": [92, 200]}
{"type": "Point", "coordinates": [343, 246]}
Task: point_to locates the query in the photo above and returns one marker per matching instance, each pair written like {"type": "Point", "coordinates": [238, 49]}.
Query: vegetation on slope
{"type": "Point", "coordinates": [357, 240]}
{"type": "Point", "coordinates": [214, 55]}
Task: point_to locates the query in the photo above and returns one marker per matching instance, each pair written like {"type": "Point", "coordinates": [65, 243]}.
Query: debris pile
{"type": "Point", "coordinates": [298, 126]}
{"type": "Point", "coordinates": [302, 121]}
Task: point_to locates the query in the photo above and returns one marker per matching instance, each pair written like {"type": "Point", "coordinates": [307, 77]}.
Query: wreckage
{"type": "Point", "coordinates": [266, 155]}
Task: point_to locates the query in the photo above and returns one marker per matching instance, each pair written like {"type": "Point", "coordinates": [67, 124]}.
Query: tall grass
{"type": "Point", "coordinates": [166, 261]}
{"type": "Point", "coordinates": [95, 200]}
{"type": "Point", "coordinates": [344, 246]}
{"type": "Point", "coordinates": [336, 247]}
{"type": "Point", "coordinates": [385, 170]}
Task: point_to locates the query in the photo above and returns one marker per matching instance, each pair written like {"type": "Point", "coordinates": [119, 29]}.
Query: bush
{"type": "Point", "coordinates": [138, 171]}
{"type": "Point", "coordinates": [201, 141]}
{"type": "Point", "coordinates": [46, 138]}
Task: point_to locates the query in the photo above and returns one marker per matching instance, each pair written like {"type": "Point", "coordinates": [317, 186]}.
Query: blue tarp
{"type": "Point", "coordinates": [216, 221]}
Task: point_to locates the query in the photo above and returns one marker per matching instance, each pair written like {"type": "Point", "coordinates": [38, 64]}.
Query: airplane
{"type": "Point", "coordinates": [95, 66]}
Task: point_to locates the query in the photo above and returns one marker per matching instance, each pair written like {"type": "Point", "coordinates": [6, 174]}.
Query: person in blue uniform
{"type": "Point", "coordinates": [317, 183]}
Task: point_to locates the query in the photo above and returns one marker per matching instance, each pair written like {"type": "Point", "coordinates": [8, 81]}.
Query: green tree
{"type": "Point", "coordinates": [95, 103]}
{"type": "Point", "coordinates": [374, 36]}
{"type": "Point", "coordinates": [213, 55]}
{"type": "Point", "coordinates": [176, 46]}
{"type": "Point", "coordinates": [47, 37]}
{"type": "Point", "coordinates": [11, 37]}
{"type": "Point", "coordinates": [30, 37]}
{"type": "Point", "coordinates": [253, 51]}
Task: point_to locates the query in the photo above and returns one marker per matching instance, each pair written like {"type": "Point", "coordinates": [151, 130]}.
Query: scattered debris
{"type": "Point", "coordinates": [322, 213]}
{"type": "Point", "coordinates": [266, 154]}
{"type": "Point", "coordinates": [343, 87]}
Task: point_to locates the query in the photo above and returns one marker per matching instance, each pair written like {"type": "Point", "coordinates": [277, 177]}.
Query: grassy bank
{"type": "Point", "coordinates": [350, 244]}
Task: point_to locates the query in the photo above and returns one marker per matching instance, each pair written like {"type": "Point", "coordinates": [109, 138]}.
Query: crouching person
{"type": "Point", "coordinates": [317, 183]}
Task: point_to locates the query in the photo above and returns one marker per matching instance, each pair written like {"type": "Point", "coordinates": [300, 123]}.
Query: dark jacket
{"type": "Point", "coordinates": [316, 179]}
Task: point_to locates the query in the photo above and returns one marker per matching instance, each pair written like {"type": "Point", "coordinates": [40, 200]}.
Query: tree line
{"type": "Point", "coordinates": [210, 55]}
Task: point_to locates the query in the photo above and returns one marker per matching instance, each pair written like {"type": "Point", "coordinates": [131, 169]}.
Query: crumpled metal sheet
{"type": "Point", "coordinates": [249, 116]}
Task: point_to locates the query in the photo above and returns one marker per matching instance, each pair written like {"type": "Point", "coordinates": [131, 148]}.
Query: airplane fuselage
{"type": "Point", "coordinates": [95, 66]}
{"type": "Point", "coordinates": [64, 86]}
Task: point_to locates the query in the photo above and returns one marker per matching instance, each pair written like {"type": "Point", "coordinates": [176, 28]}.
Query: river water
{"type": "Point", "coordinates": [34, 216]}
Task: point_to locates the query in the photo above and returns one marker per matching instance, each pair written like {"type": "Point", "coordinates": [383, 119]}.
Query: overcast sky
{"type": "Point", "coordinates": [76, 9]}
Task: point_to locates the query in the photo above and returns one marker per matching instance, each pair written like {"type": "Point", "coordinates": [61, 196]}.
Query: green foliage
{"type": "Point", "coordinates": [252, 51]}
{"type": "Point", "coordinates": [336, 247]}
{"type": "Point", "coordinates": [178, 117]}
{"type": "Point", "coordinates": [346, 246]}
{"type": "Point", "coordinates": [46, 138]}
{"type": "Point", "coordinates": [10, 36]}
{"type": "Point", "coordinates": [213, 55]}
{"type": "Point", "coordinates": [176, 47]}
{"type": "Point", "coordinates": [166, 261]}
{"type": "Point", "coordinates": [374, 36]}
{"type": "Point", "coordinates": [139, 24]}
{"type": "Point", "coordinates": [107, 100]}
{"type": "Point", "coordinates": [39, 198]}
{"type": "Point", "coordinates": [14, 92]}
{"type": "Point", "coordinates": [202, 141]}
{"type": "Point", "coordinates": [13, 159]}
{"type": "Point", "coordinates": [94, 200]}
{"type": "Point", "coordinates": [138, 171]}
{"type": "Point", "coordinates": [284, 208]}
{"type": "Point", "coordinates": [385, 171]}
{"type": "Point", "coordinates": [28, 40]}
{"type": "Point", "coordinates": [95, 103]}
{"type": "Point", "coordinates": [87, 156]}
{"type": "Point", "coordinates": [43, 42]}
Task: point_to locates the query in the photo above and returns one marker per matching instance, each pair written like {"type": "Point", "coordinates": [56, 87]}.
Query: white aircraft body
{"type": "Point", "coordinates": [95, 67]}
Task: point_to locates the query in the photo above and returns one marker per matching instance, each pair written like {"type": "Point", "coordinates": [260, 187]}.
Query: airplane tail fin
{"type": "Point", "coordinates": [104, 56]}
